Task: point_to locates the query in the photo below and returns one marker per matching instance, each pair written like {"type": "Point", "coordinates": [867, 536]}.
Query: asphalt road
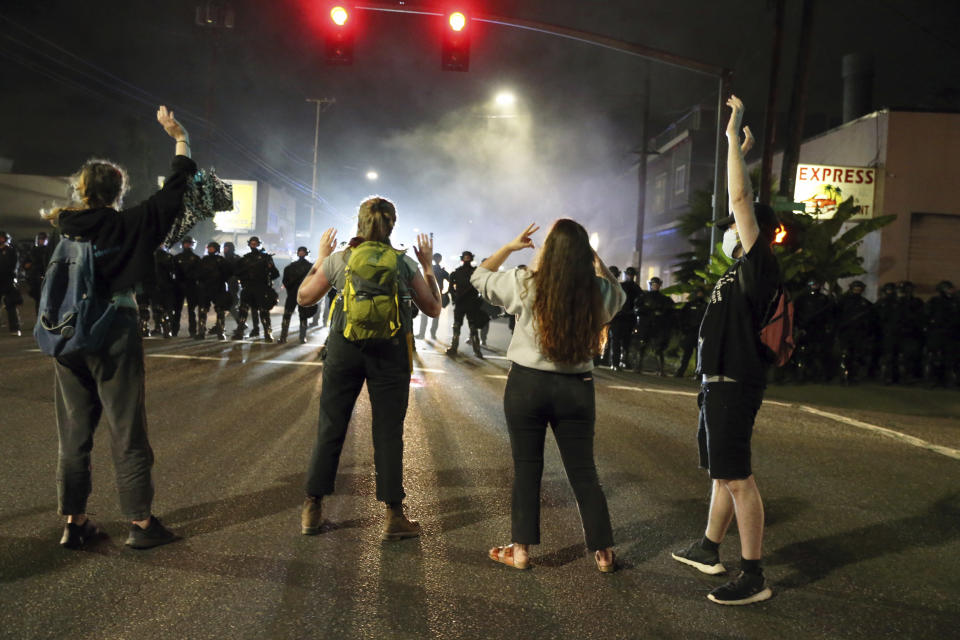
{"type": "Point", "coordinates": [861, 487]}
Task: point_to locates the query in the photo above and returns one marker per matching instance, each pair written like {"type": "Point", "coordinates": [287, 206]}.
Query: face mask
{"type": "Point", "coordinates": [730, 241]}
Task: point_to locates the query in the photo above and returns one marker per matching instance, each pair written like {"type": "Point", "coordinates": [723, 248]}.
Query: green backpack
{"type": "Point", "coordinates": [371, 300]}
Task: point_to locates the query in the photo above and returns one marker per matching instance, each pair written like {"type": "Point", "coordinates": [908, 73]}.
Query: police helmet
{"type": "Point", "coordinates": [889, 288]}
{"type": "Point", "coordinates": [630, 271]}
{"type": "Point", "coordinates": [857, 284]}
{"type": "Point", "coordinates": [215, 245]}
{"type": "Point", "coordinates": [944, 287]}
{"type": "Point", "coordinates": [253, 239]}
{"type": "Point", "coordinates": [463, 256]}
{"type": "Point", "coordinates": [186, 239]}
{"type": "Point", "coordinates": [228, 244]}
{"type": "Point", "coordinates": [304, 249]}
{"type": "Point", "coordinates": [905, 286]}
{"type": "Point", "coordinates": [655, 280]}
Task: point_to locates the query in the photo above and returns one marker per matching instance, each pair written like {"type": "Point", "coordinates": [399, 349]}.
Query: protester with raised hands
{"type": "Point", "coordinates": [108, 381]}
{"type": "Point", "coordinates": [370, 340]}
{"type": "Point", "coordinates": [561, 307]}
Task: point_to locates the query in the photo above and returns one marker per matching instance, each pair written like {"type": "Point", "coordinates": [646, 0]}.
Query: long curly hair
{"type": "Point", "coordinates": [98, 183]}
{"type": "Point", "coordinates": [567, 304]}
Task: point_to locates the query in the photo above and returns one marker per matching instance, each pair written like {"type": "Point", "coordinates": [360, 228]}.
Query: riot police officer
{"type": "Point", "coordinates": [257, 273]}
{"type": "Point", "coordinates": [442, 276]}
{"type": "Point", "coordinates": [888, 314]}
{"type": "Point", "coordinates": [293, 275]}
{"type": "Point", "coordinates": [233, 283]}
{"type": "Point", "coordinates": [35, 266]}
{"type": "Point", "coordinates": [163, 294]}
{"type": "Point", "coordinates": [9, 293]}
{"type": "Point", "coordinates": [690, 316]}
{"type": "Point", "coordinates": [943, 331]}
{"type": "Point", "coordinates": [912, 321]}
{"type": "Point", "coordinates": [655, 322]}
{"type": "Point", "coordinates": [623, 323]}
{"type": "Point", "coordinates": [212, 276]}
{"type": "Point", "coordinates": [856, 331]}
{"type": "Point", "coordinates": [813, 311]}
{"type": "Point", "coordinates": [466, 304]}
{"type": "Point", "coordinates": [186, 263]}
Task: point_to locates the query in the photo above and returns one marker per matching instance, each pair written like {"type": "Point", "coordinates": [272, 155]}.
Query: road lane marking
{"type": "Point", "coordinates": [495, 376]}
{"type": "Point", "coordinates": [890, 433]}
{"type": "Point", "coordinates": [300, 363]}
{"type": "Point", "coordinates": [668, 392]}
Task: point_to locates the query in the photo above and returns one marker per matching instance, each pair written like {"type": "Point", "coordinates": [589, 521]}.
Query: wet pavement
{"type": "Point", "coordinates": [861, 488]}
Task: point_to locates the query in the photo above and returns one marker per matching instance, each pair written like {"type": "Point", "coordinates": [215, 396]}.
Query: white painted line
{"type": "Point", "coordinates": [668, 392]}
{"type": "Point", "coordinates": [779, 404]}
{"type": "Point", "coordinates": [300, 363]}
{"type": "Point", "coordinates": [890, 433]}
{"type": "Point", "coordinates": [496, 377]}
{"type": "Point", "coordinates": [32, 350]}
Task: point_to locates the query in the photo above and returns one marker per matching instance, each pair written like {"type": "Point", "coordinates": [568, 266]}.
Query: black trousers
{"type": "Point", "coordinates": [621, 329]}
{"type": "Point", "coordinates": [192, 297]}
{"type": "Point", "coordinates": [385, 367]}
{"type": "Point", "coordinates": [533, 400]}
{"type": "Point", "coordinates": [11, 300]}
{"type": "Point", "coordinates": [106, 384]}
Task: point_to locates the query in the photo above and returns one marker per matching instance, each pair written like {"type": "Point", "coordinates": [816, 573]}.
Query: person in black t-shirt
{"type": "Point", "coordinates": [731, 363]}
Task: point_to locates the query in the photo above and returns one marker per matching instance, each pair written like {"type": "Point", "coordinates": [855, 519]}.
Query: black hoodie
{"type": "Point", "coordinates": [125, 240]}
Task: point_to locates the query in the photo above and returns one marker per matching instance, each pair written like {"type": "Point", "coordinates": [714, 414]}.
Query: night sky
{"type": "Point", "coordinates": [82, 79]}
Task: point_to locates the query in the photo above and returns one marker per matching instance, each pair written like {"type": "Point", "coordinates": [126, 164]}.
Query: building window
{"type": "Point", "coordinates": [660, 193]}
{"type": "Point", "coordinates": [680, 180]}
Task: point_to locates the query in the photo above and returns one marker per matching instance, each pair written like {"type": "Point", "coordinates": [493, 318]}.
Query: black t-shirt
{"type": "Point", "coordinates": [729, 343]}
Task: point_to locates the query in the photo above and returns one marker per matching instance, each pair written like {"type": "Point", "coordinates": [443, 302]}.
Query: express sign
{"type": "Point", "coordinates": [822, 187]}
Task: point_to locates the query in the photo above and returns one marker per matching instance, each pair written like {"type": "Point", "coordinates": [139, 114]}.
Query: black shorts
{"type": "Point", "coordinates": [727, 413]}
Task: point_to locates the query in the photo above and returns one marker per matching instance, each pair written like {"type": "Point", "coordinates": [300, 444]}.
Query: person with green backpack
{"type": "Point", "coordinates": [370, 341]}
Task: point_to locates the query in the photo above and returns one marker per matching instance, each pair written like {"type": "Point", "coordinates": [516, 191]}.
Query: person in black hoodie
{"type": "Point", "coordinates": [110, 382]}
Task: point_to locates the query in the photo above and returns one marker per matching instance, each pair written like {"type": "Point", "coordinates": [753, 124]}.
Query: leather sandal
{"type": "Point", "coordinates": [606, 568]}
{"type": "Point", "coordinates": [504, 555]}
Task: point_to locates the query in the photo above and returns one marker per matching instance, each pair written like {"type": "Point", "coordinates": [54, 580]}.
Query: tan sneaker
{"type": "Point", "coordinates": [397, 527]}
{"type": "Point", "coordinates": [310, 516]}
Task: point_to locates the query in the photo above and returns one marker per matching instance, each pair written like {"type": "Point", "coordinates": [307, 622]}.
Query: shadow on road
{"type": "Point", "coordinates": [813, 560]}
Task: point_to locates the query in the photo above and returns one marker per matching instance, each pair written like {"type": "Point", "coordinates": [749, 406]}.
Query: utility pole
{"type": "Point", "coordinates": [769, 126]}
{"type": "Point", "coordinates": [798, 103]}
{"type": "Point", "coordinates": [322, 105]}
{"type": "Point", "coordinates": [642, 170]}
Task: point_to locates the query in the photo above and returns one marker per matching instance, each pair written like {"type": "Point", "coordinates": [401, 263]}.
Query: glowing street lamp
{"type": "Point", "coordinates": [505, 99]}
{"type": "Point", "coordinates": [372, 175]}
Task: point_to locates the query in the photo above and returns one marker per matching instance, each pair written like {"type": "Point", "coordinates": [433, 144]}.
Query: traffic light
{"type": "Point", "coordinates": [455, 54]}
{"type": "Point", "coordinates": [339, 40]}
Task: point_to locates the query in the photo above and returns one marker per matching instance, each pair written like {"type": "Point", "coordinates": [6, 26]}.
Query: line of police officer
{"type": "Point", "coordinates": [898, 339]}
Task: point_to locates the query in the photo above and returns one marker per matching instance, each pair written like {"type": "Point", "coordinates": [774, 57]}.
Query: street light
{"type": "Point", "coordinates": [505, 99]}
{"type": "Point", "coordinates": [372, 175]}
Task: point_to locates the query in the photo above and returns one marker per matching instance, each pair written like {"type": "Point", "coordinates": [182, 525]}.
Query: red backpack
{"type": "Point", "coordinates": [776, 330]}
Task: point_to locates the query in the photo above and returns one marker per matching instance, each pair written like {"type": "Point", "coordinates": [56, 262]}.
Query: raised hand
{"type": "Point", "coordinates": [748, 141]}
{"type": "Point", "coordinates": [328, 242]}
{"type": "Point", "coordinates": [424, 251]}
{"type": "Point", "coordinates": [736, 117]}
{"type": "Point", "coordinates": [524, 241]}
{"type": "Point", "coordinates": [170, 124]}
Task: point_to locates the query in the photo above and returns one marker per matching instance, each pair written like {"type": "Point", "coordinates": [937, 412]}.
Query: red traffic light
{"type": "Point", "coordinates": [339, 16]}
{"type": "Point", "coordinates": [458, 21]}
{"type": "Point", "coordinates": [455, 53]}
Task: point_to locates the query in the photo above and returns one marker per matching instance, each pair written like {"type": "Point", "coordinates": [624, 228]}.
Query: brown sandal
{"type": "Point", "coordinates": [606, 568]}
{"type": "Point", "coordinates": [504, 555]}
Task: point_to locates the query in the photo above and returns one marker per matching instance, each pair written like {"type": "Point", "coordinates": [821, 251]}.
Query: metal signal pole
{"type": "Point", "coordinates": [322, 105]}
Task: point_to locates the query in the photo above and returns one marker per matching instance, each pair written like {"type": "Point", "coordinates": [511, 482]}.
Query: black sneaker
{"type": "Point", "coordinates": [79, 535]}
{"type": "Point", "coordinates": [153, 536]}
{"type": "Point", "coordinates": [697, 556]}
{"type": "Point", "coordinates": [746, 589]}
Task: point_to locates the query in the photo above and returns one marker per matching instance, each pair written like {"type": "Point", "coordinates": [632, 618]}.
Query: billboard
{"type": "Point", "coordinates": [244, 214]}
{"type": "Point", "coordinates": [823, 187]}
